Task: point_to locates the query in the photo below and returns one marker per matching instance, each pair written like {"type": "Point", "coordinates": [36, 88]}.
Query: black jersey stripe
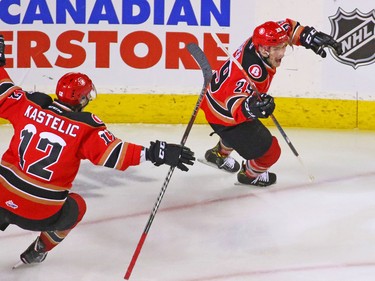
{"type": "Point", "coordinates": [114, 156]}
{"type": "Point", "coordinates": [226, 112]}
{"type": "Point", "coordinates": [31, 189]}
{"type": "Point", "coordinates": [54, 237]}
{"type": "Point", "coordinates": [218, 108]}
{"type": "Point", "coordinates": [5, 86]}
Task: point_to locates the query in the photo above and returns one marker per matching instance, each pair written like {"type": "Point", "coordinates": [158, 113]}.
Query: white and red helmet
{"type": "Point", "coordinates": [269, 34]}
{"type": "Point", "coordinates": [75, 89]}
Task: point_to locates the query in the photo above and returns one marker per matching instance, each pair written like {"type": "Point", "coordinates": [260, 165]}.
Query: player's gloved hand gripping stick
{"type": "Point", "coordinates": [260, 106]}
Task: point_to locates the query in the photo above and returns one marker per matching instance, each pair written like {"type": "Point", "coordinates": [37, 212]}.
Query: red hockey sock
{"type": "Point", "coordinates": [224, 150]}
{"type": "Point", "coordinates": [255, 167]}
{"type": "Point", "coordinates": [53, 238]}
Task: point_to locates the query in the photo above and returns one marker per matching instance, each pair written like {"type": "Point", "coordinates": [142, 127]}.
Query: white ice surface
{"type": "Point", "coordinates": [207, 228]}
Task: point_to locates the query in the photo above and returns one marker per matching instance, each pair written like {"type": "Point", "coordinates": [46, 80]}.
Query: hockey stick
{"type": "Point", "coordinates": [201, 59]}
{"type": "Point", "coordinates": [277, 124]}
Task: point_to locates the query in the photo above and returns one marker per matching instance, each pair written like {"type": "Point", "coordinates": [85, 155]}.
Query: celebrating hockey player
{"type": "Point", "coordinates": [233, 108]}
{"type": "Point", "coordinates": [50, 139]}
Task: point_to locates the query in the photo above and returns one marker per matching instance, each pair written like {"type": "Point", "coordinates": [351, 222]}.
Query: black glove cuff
{"type": "Point", "coordinates": [147, 154]}
{"type": "Point", "coordinates": [307, 36]}
{"type": "Point", "coordinates": [150, 152]}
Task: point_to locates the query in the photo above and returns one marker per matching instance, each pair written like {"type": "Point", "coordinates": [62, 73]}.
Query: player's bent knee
{"type": "Point", "coordinates": [271, 156]}
{"type": "Point", "coordinates": [81, 205]}
{"type": "Point", "coordinates": [71, 213]}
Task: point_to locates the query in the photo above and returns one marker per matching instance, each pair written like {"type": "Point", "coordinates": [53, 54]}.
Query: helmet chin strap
{"type": "Point", "coordinates": [83, 103]}
{"type": "Point", "coordinates": [264, 54]}
{"type": "Point", "coordinates": [266, 59]}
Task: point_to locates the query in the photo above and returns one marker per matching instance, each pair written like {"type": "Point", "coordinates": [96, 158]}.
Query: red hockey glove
{"type": "Point", "coordinates": [173, 155]}
{"type": "Point", "coordinates": [312, 39]}
{"type": "Point", "coordinates": [255, 107]}
{"type": "Point", "coordinates": [2, 51]}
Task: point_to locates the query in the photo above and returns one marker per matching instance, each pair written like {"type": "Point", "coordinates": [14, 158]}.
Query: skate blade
{"type": "Point", "coordinates": [248, 185]}
{"type": "Point", "coordinates": [204, 161]}
{"type": "Point", "coordinates": [17, 265]}
{"type": "Point", "coordinates": [254, 186]}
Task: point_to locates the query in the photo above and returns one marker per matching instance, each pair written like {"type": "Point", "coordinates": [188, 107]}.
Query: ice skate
{"type": "Point", "coordinates": [226, 163]}
{"type": "Point", "coordinates": [264, 179]}
{"type": "Point", "coordinates": [34, 254]}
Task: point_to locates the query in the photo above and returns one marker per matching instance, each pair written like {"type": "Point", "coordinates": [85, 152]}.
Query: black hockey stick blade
{"type": "Point", "coordinates": [201, 59]}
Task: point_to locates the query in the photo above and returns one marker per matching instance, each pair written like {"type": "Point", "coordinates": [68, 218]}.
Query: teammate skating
{"type": "Point", "coordinates": [50, 139]}
{"type": "Point", "coordinates": [233, 108]}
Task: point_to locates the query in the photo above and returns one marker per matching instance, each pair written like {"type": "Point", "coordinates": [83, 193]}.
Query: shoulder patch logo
{"type": "Point", "coordinates": [96, 119]}
{"type": "Point", "coordinates": [107, 136]}
{"type": "Point", "coordinates": [16, 95]}
{"type": "Point", "coordinates": [355, 31]}
{"type": "Point", "coordinates": [255, 71]}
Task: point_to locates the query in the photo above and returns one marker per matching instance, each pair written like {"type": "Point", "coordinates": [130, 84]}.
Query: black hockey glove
{"type": "Point", "coordinates": [312, 39]}
{"type": "Point", "coordinates": [258, 107]}
{"type": "Point", "coordinates": [2, 51]}
{"type": "Point", "coordinates": [173, 155]}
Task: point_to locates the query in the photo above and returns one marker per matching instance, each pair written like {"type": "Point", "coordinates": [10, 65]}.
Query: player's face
{"type": "Point", "coordinates": [276, 54]}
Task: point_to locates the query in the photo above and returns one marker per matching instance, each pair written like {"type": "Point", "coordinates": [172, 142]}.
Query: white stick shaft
{"type": "Point", "coordinates": [220, 44]}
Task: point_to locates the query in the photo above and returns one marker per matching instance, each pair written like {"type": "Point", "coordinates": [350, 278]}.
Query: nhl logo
{"type": "Point", "coordinates": [356, 33]}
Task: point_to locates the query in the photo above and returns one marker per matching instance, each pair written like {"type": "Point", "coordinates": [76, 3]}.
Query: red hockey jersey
{"type": "Point", "coordinates": [229, 88]}
{"type": "Point", "coordinates": [46, 149]}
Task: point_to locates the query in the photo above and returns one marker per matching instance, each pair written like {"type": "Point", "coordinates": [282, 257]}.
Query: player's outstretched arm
{"type": "Point", "coordinates": [173, 155]}
{"type": "Point", "coordinates": [315, 40]}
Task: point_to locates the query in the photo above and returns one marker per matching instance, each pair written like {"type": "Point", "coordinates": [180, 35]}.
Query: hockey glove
{"type": "Point", "coordinates": [2, 51]}
{"type": "Point", "coordinates": [258, 107]}
{"type": "Point", "coordinates": [312, 39]}
{"type": "Point", "coordinates": [173, 155]}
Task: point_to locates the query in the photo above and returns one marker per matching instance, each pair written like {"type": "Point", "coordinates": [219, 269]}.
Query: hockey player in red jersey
{"type": "Point", "coordinates": [233, 108]}
{"type": "Point", "coordinates": [50, 139]}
